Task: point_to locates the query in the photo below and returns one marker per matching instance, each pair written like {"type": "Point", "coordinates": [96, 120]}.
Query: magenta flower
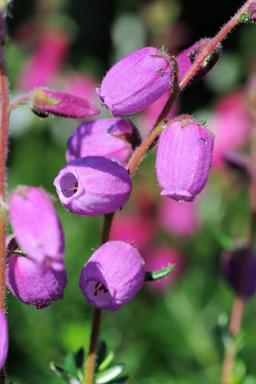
{"type": "Point", "coordinates": [156, 259]}
{"type": "Point", "coordinates": [93, 185]}
{"type": "Point", "coordinates": [231, 123]}
{"type": "Point", "coordinates": [35, 284]}
{"type": "Point", "coordinates": [46, 61]}
{"type": "Point", "coordinates": [62, 104]}
{"type": "Point", "coordinates": [136, 81]}
{"type": "Point", "coordinates": [113, 275]}
{"type": "Point", "coordinates": [187, 57]}
{"type": "Point", "coordinates": [178, 218]}
{"type": "Point", "coordinates": [239, 269]}
{"type": "Point", "coordinates": [183, 159]}
{"type": "Point", "coordinates": [114, 138]}
{"type": "Point", "coordinates": [36, 225]}
{"type": "Point", "coordinates": [4, 339]}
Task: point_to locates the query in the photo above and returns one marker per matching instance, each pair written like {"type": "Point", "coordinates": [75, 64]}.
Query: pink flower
{"type": "Point", "coordinates": [46, 60]}
{"type": "Point", "coordinates": [113, 275]}
{"type": "Point", "coordinates": [230, 124]}
{"type": "Point", "coordinates": [135, 229]}
{"type": "Point", "coordinates": [183, 159]}
{"type": "Point", "coordinates": [186, 58]}
{"type": "Point", "coordinates": [178, 218]}
{"type": "Point", "coordinates": [114, 138]}
{"type": "Point", "coordinates": [158, 258]}
{"type": "Point", "coordinates": [93, 186]}
{"type": "Point", "coordinates": [4, 339]}
{"type": "Point", "coordinates": [63, 104]}
{"type": "Point", "coordinates": [136, 81]}
{"type": "Point", "coordinates": [35, 284]}
{"type": "Point", "coordinates": [36, 225]}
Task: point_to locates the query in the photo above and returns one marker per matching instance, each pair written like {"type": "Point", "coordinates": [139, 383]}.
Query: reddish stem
{"type": "Point", "coordinates": [195, 67]}
{"type": "Point", "coordinates": [4, 124]}
{"type": "Point", "coordinates": [137, 158]}
{"type": "Point", "coordinates": [215, 41]}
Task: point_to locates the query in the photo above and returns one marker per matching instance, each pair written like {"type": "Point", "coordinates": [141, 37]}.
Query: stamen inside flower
{"type": "Point", "coordinates": [97, 293]}
{"type": "Point", "coordinates": [69, 184]}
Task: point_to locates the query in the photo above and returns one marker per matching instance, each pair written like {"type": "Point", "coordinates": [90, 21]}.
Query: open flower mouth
{"type": "Point", "coordinates": [97, 293]}
{"type": "Point", "coordinates": [69, 184]}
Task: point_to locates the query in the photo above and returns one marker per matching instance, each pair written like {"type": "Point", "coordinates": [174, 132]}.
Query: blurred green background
{"type": "Point", "coordinates": [177, 336]}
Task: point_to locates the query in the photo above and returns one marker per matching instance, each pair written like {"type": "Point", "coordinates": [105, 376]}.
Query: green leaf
{"type": "Point", "coordinates": [59, 371]}
{"type": "Point", "coordinates": [244, 18]}
{"type": "Point", "coordinates": [70, 364]}
{"type": "Point", "coordinates": [101, 353]}
{"type": "Point", "coordinates": [109, 374]}
{"type": "Point", "coordinates": [79, 357]}
{"type": "Point", "coordinates": [160, 274]}
{"type": "Point", "coordinates": [122, 379]}
{"type": "Point", "coordinates": [107, 361]}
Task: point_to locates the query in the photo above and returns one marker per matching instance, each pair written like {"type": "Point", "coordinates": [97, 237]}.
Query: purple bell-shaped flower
{"type": "Point", "coordinates": [183, 159]}
{"type": "Point", "coordinates": [93, 185]}
{"type": "Point", "coordinates": [113, 275]}
{"type": "Point", "coordinates": [136, 81]}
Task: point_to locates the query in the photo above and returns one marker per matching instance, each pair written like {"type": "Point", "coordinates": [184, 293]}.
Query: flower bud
{"type": "Point", "coordinates": [114, 138]}
{"type": "Point", "coordinates": [230, 123]}
{"type": "Point", "coordinates": [239, 269]}
{"type": "Point", "coordinates": [93, 185]}
{"type": "Point", "coordinates": [4, 338]}
{"type": "Point", "coordinates": [113, 275]}
{"type": "Point", "coordinates": [187, 57]}
{"type": "Point", "coordinates": [45, 101]}
{"type": "Point", "coordinates": [136, 81]}
{"type": "Point", "coordinates": [178, 218]}
{"type": "Point", "coordinates": [35, 284]}
{"type": "Point", "coordinates": [183, 159]}
{"type": "Point", "coordinates": [36, 225]}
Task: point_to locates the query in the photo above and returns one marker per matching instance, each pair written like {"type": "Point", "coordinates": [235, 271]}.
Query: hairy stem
{"type": "Point", "coordinates": [19, 100]}
{"type": "Point", "coordinates": [221, 35]}
{"type": "Point", "coordinates": [195, 67]}
{"type": "Point", "coordinates": [138, 156]}
{"type": "Point", "coordinates": [4, 124]}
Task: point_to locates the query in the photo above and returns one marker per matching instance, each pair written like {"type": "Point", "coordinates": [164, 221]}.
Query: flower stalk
{"type": "Point", "coordinates": [4, 125]}
{"type": "Point", "coordinates": [141, 151]}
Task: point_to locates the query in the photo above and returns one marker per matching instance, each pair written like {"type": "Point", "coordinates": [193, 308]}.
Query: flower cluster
{"type": "Point", "coordinates": [96, 181]}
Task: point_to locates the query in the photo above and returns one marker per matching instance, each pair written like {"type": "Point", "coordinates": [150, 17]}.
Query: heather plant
{"type": "Point", "coordinates": [102, 157]}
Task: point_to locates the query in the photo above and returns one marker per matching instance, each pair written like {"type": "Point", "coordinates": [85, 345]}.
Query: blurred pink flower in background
{"type": "Point", "coordinates": [46, 60]}
{"type": "Point", "coordinates": [79, 84]}
{"type": "Point", "coordinates": [178, 218]}
{"type": "Point", "coordinates": [230, 124]}
{"type": "Point", "coordinates": [135, 229]}
{"type": "Point", "coordinates": [159, 258]}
